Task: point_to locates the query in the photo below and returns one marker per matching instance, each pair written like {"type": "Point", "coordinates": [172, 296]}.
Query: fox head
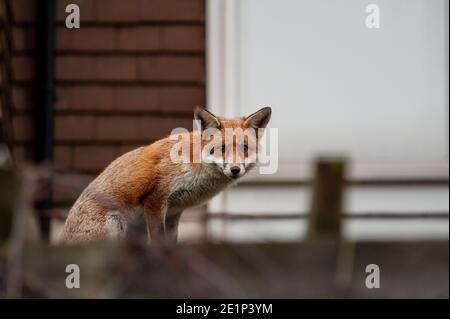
{"type": "Point", "coordinates": [231, 145]}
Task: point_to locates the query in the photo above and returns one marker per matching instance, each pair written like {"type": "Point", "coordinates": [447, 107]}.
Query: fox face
{"type": "Point", "coordinates": [231, 145]}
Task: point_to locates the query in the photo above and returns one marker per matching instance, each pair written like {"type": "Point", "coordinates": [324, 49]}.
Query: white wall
{"type": "Point", "coordinates": [379, 96]}
{"type": "Point", "coordinates": [336, 85]}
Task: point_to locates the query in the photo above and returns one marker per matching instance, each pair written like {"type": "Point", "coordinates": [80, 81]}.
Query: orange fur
{"type": "Point", "coordinates": [145, 179]}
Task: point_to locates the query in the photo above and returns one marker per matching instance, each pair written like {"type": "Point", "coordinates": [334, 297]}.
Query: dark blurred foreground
{"type": "Point", "coordinates": [323, 266]}
{"type": "Point", "coordinates": [308, 270]}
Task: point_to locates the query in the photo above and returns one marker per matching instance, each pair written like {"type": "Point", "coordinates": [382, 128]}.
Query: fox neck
{"type": "Point", "coordinates": [203, 175]}
{"type": "Point", "coordinates": [198, 184]}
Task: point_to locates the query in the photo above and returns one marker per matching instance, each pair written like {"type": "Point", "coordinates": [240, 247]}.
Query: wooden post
{"type": "Point", "coordinates": [326, 208]}
{"type": "Point", "coordinates": [9, 186]}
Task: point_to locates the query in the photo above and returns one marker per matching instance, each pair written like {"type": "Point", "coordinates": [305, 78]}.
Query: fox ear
{"type": "Point", "coordinates": [259, 119]}
{"type": "Point", "coordinates": [207, 119]}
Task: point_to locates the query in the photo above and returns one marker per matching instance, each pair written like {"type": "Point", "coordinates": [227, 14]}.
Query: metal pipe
{"type": "Point", "coordinates": [44, 92]}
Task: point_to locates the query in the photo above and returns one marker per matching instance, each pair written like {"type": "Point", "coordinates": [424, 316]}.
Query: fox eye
{"type": "Point", "coordinates": [244, 148]}
{"type": "Point", "coordinates": [219, 149]}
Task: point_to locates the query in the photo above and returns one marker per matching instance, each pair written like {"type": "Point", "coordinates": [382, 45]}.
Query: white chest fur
{"type": "Point", "coordinates": [196, 187]}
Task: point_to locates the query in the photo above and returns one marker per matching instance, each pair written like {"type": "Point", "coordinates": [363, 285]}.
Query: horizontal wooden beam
{"type": "Point", "coordinates": [353, 216]}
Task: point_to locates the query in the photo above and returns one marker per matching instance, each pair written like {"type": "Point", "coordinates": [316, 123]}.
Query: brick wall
{"type": "Point", "coordinates": [134, 71]}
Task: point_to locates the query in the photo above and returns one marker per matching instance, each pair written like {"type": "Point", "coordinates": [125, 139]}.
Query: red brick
{"type": "Point", "coordinates": [122, 149]}
{"type": "Point", "coordinates": [131, 38]}
{"type": "Point", "coordinates": [172, 68]}
{"type": "Point", "coordinates": [23, 10]}
{"type": "Point", "coordinates": [151, 128]}
{"type": "Point", "coordinates": [138, 38]}
{"type": "Point", "coordinates": [138, 98]}
{"type": "Point", "coordinates": [67, 187]}
{"type": "Point", "coordinates": [21, 154]}
{"type": "Point", "coordinates": [85, 39]}
{"type": "Point", "coordinates": [126, 98]}
{"type": "Point", "coordinates": [23, 39]}
{"type": "Point", "coordinates": [172, 123]}
{"type": "Point", "coordinates": [95, 68]}
{"type": "Point", "coordinates": [88, 10]}
{"type": "Point", "coordinates": [172, 10]}
{"type": "Point", "coordinates": [65, 194]}
{"type": "Point", "coordinates": [154, 128]}
{"type": "Point", "coordinates": [93, 157]}
{"type": "Point", "coordinates": [182, 98]}
{"type": "Point", "coordinates": [117, 10]}
{"type": "Point", "coordinates": [189, 38]}
{"type": "Point", "coordinates": [22, 128]}
{"type": "Point", "coordinates": [62, 196]}
{"type": "Point", "coordinates": [167, 68]}
{"type": "Point", "coordinates": [84, 98]}
{"type": "Point", "coordinates": [74, 128]}
{"type": "Point", "coordinates": [23, 68]}
{"type": "Point", "coordinates": [22, 97]}
{"type": "Point", "coordinates": [62, 157]}
{"type": "Point", "coordinates": [115, 128]}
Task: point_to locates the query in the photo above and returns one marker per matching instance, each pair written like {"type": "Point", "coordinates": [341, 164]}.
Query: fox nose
{"type": "Point", "coordinates": [235, 170]}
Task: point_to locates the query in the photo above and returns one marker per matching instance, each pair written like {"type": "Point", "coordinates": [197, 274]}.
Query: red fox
{"type": "Point", "coordinates": [148, 182]}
